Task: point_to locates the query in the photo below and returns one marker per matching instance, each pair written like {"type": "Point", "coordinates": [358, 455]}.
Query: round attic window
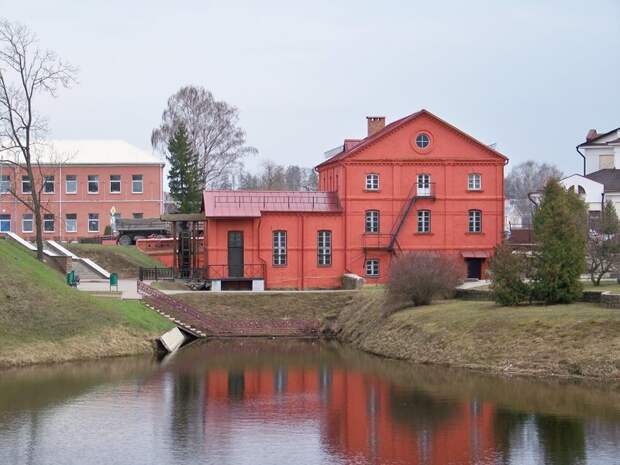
{"type": "Point", "coordinates": [422, 140]}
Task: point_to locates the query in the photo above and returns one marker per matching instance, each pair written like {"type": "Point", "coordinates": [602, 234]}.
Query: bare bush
{"type": "Point", "coordinates": [419, 277]}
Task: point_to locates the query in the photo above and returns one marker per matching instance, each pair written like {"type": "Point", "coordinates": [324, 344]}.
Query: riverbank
{"type": "Point", "coordinates": [42, 320]}
{"type": "Point", "coordinates": [577, 340]}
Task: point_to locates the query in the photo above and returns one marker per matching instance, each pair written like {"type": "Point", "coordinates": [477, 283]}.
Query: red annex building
{"type": "Point", "coordinates": [417, 184]}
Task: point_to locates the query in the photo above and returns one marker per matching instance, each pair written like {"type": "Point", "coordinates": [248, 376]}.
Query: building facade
{"type": "Point", "coordinates": [85, 186]}
{"type": "Point", "coordinates": [600, 180]}
{"type": "Point", "coordinates": [417, 184]}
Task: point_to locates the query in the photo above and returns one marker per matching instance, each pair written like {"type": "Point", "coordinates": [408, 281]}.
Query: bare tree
{"type": "Point", "coordinates": [525, 178]}
{"type": "Point", "coordinates": [213, 128]}
{"type": "Point", "coordinates": [27, 72]}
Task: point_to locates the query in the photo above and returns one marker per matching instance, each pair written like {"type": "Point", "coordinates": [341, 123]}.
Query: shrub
{"type": "Point", "coordinates": [419, 277]}
{"type": "Point", "coordinates": [508, 271]}
{"type": "Point", "coordinates": [107, 231]}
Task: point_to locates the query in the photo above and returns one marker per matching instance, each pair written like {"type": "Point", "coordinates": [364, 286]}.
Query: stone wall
{"type": "Point", "coordinates": [474, 294]}
{"type": "Point", "coordinates": [610, 300]}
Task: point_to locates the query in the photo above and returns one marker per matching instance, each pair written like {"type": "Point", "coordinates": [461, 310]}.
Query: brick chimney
{"type": "Point", "coordinates": [375, 124]}
{"type": "Point", "coordinates": [592, 134]}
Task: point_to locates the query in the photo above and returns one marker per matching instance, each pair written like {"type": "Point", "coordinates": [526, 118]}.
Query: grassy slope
{"type": "Point", "coordinates": [43, 320]}
{"type": "Point", "coordinates": [124, 260]}
{"type": "Point", "coordinates": [579, 339]}
{"type": "Point", "coordinates": [302, 305]}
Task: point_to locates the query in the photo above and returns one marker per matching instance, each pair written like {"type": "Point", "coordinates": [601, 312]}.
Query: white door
{"type": "Point", "coordinates": [424, 185]}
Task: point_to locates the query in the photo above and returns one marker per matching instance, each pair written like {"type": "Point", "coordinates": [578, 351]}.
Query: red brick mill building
{"type": "Point", "coordinates": [417, 184]}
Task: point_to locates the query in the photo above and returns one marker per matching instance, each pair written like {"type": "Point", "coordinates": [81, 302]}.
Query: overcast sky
{"type": "Point", "coordinates": [531, 76]}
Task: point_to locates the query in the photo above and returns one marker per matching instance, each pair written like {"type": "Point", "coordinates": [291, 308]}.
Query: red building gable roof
{"type": "Point", "coordinates": [251, 204]}
{"type": "Point", "coordinates": [350, 149]}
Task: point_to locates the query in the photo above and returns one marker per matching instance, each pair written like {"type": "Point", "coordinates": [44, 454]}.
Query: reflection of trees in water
{"type": "Point", "coordinates": [420, 410]}
{"type": "Point", "coordinates": [506, 426]}
{"type": "Point", "coordinates": [562, 440]}
{"type": "Point", "coordinates": [186, 410]}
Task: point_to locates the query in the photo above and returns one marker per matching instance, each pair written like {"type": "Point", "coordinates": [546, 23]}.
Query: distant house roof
{"type": "Point", "coordinates": [594, 139]}
{"type": "Point", "coordinates": [92, 152]}
{"type": "Point", "coordinates": [609, 178]}
{"type": "Point", "coordinates": [352, 146]}
{"type": "Point", "coordinates": [251, 204]}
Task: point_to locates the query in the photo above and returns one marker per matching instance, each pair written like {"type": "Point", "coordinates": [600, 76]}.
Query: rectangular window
{"type": "Point", "coordinates": [279, 248]}
{"type": "Point", "coordinates": [372, 221]}
{"type": "Point", "coordinates": [93, 222]}
{"type": "Point", "coordinates": [5, 223]}
{"type": "Point", "coordinates": [474, 182]}
{"type": "Point", "coordinates": [138, 216]}
{"type": "Point", "coordinates": [48, 184]}
{"type": "Point", "coordinates": [26, 186]}
{"type": "Point", "coordinates": [71, 184]}
{"type": "Point", "coordinates": [475, 221]}
{"type": "Point", "coordinates": [324, 248]}
{"type": "Point", "coordinates": [93, 184]}
{"type": "Point", "coordinates": [372, 267]}
{"type": "Point", "coordinates": [48, 222]}
{"type": "Point", "coordinates": [372, 182]}
{"type": "Point", "coordinates": [71, 222]}
{"type": "Point", "coordinates": [424, 221]}
{"type": "Point", "coordinates": [5, 183]}
{"type": "Point", "coordinates": [115, 184]}
{"type": "Point", "coordinates": [136, 184]}
{"type": "Point", "coordinates": [27, 223]}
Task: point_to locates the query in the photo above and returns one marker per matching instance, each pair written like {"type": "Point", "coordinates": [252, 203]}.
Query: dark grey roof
{"type": "Point", "coordinates": [609, 177]}
{"type": "Point", "coordinates": [593, 141]}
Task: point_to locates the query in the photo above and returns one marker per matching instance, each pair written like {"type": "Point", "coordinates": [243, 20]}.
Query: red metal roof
{"type": "Point", "coordinates": [251, 204]}
{"type": "Point", "coordinates": [361, 144]}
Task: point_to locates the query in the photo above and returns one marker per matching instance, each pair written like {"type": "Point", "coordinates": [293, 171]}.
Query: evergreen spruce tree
{"type": "Point", "coordinates": [560, 235]}
{"type": "Point", "coordinates": [184, 177]}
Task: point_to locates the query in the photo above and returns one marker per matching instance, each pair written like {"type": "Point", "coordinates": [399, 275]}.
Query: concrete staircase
{"type": "Point", "coordinates": [84, 267]}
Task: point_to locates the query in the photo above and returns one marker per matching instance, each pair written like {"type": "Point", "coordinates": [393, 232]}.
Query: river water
{"type": "Point", "coordinates": [260, 402]}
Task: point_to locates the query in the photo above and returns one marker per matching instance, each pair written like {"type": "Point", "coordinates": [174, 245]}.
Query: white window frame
{"type": "Point", "coordinates": [116, 181]}
{"type": "Point", "coordinates": [46, 218]}
{"type": "Point", "coordinates": [5, 183]}
{"type": "Point", "coordinates": [26, 182]}
{"type": "Point", "coordinates": [423, 185]}
{"type": "Point", "coordinates": [73, 180]}
{"type": "Point", "coordinates": [475, 221]}
{"type": "Point", "coordinates": [372, 221]}
{"type": "Point", "coordinates": [324, 247]}
{"type": "Point", "coordinates": [93, 217]}
{"type": "Point", "coordinates": [46, 181]}
{"type": "Point", "coordinates": [474, 182]}
{"type": "Point", "coordinates": [73, 221]}
{"type": "Point", "coordinates": [424, 221]}
{"type": "Point", "coordinates": [30, 218]}
{"type": "Point", "coordinates": [371, 267]}
{"type": "Point", "coordinates": [134, 181]}
{"type": "Point", "coordinates": [92, 178]}
{"type": "Point", "coordinates": [279, 248]}
{"type": "Point", "coordinates": [372, 182]}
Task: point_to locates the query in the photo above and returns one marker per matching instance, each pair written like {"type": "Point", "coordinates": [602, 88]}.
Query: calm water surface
{"type": "Point", "coordinates": [295, 403]}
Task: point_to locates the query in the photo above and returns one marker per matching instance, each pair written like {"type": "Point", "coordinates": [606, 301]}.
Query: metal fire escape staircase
{"type": "Point", "coordinates": [389, 241]}
{"type": "Point", "coordinates": [402, 216]}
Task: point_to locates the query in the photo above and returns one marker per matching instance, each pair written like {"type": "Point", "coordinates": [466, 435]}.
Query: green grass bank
{"type": "Point", "coordinates": [122, 259]}
{"type": "Point", "coordinates": [42, 320]}
{"type": "Point", "coordinates": [580, 340]}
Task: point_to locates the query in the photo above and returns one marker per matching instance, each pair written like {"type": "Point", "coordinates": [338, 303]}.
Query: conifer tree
{"type": "Point", "coordinates": [560, 235]}
{"type": "Point", "coordinates": [184, 177]}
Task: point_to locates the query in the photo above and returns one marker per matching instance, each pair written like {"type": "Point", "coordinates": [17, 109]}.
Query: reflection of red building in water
{"type": "Point", "coordinates": [359, 416]}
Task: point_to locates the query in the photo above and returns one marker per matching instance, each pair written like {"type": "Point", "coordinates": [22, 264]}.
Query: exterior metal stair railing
{"type": "Point", "coordinates": [202, 325]}
{"type": "Point", "coordinates": [417, 191]}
